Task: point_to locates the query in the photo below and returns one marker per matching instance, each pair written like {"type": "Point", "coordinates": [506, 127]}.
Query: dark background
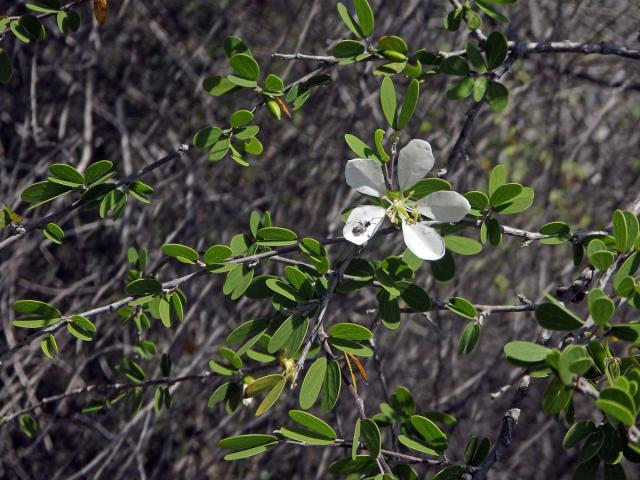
{"type": "Point", "coordinates": [130, 91]}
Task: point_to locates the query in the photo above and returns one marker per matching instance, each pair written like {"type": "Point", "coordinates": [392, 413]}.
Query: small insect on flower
{"type": "Point", "coordinates": [360, 227]}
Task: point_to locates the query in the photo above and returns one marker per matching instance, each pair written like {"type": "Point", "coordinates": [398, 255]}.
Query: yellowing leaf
{"type": "Point", "coordinates": [359, 367]}
{"type": "Point", "coordinates": [100, 10]}
{"type": "Point", "coordinates": [283, 107]}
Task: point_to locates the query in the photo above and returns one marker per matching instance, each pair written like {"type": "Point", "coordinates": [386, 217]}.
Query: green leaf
{"type": "Point", "coordinates": [453, 472]}
{"type": "Point", "coordinates": [313, 423]}
{"type": "Point", "coordinates": [496, 48]}
{"type": "Point", "coordinates": [415, 297]}
{"type": "Point", "coordinates": [49, 346]}
{"type": "Point", "coordinates": [271, 397]}
{"type": "Point", "coordinates": [32, 26]}
{"type": "Point", "coordinates": [525, 354]}
{"type": "Point", "coordinates": [417, 445]}
{"type": "Point", "coordinates": [250, 452]}
{"type": "Point", "coordinates": [144, 286]}
{"type": "Point", "coordinates": [474, 21]}
{"type": "Point", "coordinates": [361, 149]}
{"type": "Point", "coordinates": [278, 286]}
{"type": "Point", "coordinates": [355, 443]}
{"type": "Point", "coordinates": [282, 334]}
{"type": "Point", "coordinates": [347, 49]}
{"type": "Point", "coordinates": [216, 254]}
{"type": "Point", "coordinates": [497, 178]}
{"type": "Point", "coordinates": [475, 58]}
{"type": "Point", "coordinates": [393, 43]}
{"type": "Point", "coordinates": [331, 386]}
{"type": "Point", "coordinates": [591, 446]}
{"type": "Point", "coordinates": [601, 307]}
{"type": "Point", "coordinates": [54, 233]}
{"type": "Point", "coordinates": [629, 267]}
{"type": "Point", "coordinates": [556, 397]}
{"type": "Point", "coordinates": [455, 65]}
{"type": "Point", "coordinates": [245, 65]}
{"type": "Point", "coordinates": [633, 229]}
{"type": "Point", "coordinates": [379, 137]}
{"type": "Point", "coordinates": [42, 192]}
{"type": "Point", "coordinates": [349, 21]}
{"type": "Point", "coordinates": [504, 193]}
{"type": "Point", "coordinates": [67, 173]}
{"type": "Point", "coordinates": [183, 253]}
{"type": "Point", "coordinates": [350, 331]}
{"type": "Point", "coordinates": [234, 45]}
{"type": "Point", "coordinates": [479, 88]}
{"type": "Point", "coordinates": [577, 433]}
{"type": "Point", "coordinates": [6, 70]}
{"type": "Point", "coordinates": [461, 89]}
{"type": "Point", "coordinates": [409, 103]}
{"type": "Point", "coordinates": [97, 170]}
{"type": "Point", "coordinates": [35, 322]}
{"type": "Point", "coordinates": [276, 236]}
{"type": "Point", "coordinates": [478, 200]}
{"type": "Point", "coordinates": [462, 307]}
{"type": "Point", "coordinates": [242, 442]}
{"type": "Point", "coordinates": [469, 339]}
{"type": "Point", "coordinates": [462, 245]}
{"type": "Point", "coordinates": [554, 316]}
{"type": "Point", "coordinates": [425, 186]}
{"type": "Point", "coordinates": [81, 328]}
{"type": "Point", "coordinates": [490, 11]}
{"type": "Point", "coordinates": [430, 432]}
{"type": "Point", "coordinates": [68, 21]}
{"type": "Point", "coordinates": [365, 16]}
{"type": "Point", "coordinates": [453, 19]}
{"type": "Point", "coordinates": [44, 6]}
{"type": "Point", "coordinates": [444, 270]}
{"type": "Point", "coordinates": [19, 31]}
{"type": "Point", "coordinates": [559, 231]}
{"type": "Point", "coordinates": [388, 100]}
{"type": "Point", "coordinates": [371, 436]}
{"type": "Point", "coordinates": [164, 310]}
{"type": "Point", "coordinates": [350, 346]}
{"type": "Point", "coordinates": [218, 86]}
{"type": "Point", "coordinates": [305, 435]}
{"type": "Point", "coordinates": [240, 118]}
{"type": "Point", "coordinates": [620, 230]}
{"type": "Point", "coordinates": [617, 404]}
{"type": "Point", "coordinates": [36, 308]}
{"type": "Point", "coordinates": [312, 383]}
{"type": "Point", "coordinates": [273, 83]}
{"type": "Point", "coordinates": [497, 96]}
{"type": "Point", "coordinates": [219, 394]}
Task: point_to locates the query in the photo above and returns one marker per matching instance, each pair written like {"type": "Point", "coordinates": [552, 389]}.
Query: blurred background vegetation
{"type": "Point", "coordinates": [130, 91]}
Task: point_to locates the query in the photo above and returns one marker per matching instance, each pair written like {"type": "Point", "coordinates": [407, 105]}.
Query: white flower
{"type": "Point", "coordinates": [415, 160]}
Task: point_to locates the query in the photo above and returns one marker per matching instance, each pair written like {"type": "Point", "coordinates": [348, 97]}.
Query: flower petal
{"type": "Point", "coordinates": [423, 241]}
{"type": "Point", "coordinates": [365, 176]}
{"type": "Point", "coordinates": [444, 206]}
{"type": "Point", "coordinates": [363, 223]}
{"type": "Point", "coordinates": [415, 160]}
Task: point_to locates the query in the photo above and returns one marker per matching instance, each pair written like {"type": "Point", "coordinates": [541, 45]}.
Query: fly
{"type": "Point", "coordinates": [360, 227]}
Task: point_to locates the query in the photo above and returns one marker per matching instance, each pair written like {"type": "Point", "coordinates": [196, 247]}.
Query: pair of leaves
{"type": "Point", "coordinates": [389, 102]}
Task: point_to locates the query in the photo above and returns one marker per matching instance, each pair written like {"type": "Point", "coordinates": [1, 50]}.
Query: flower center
{"type": "Point", "coordinates": [400, 208]}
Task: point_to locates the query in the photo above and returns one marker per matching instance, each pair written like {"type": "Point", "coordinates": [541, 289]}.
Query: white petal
{"type": "Point", "coordinates": [415, 160]}
{"type": "Point", "coordinates": [365, 176]}
{"type": "Point", "coordinates": [363, 223]}
{"type": "Point", "coordinates": [444, 206]}
{"type": "Point", "coordinates": [423, 241]}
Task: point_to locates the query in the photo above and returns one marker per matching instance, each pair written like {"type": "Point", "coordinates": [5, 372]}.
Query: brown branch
{"type": "Point", "coordinates": [505, 438]}
{"type": "Point", "coordinates": [22, 230]}
{"type": "Point", "coordinates": [111, 387]}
